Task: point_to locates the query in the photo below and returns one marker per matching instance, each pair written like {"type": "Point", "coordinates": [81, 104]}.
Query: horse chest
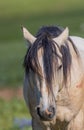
{"type": "Point", "coordinates": [60, 125]}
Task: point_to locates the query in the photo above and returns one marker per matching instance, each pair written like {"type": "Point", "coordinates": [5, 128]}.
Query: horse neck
{"type": "Point", "coordinates": [77, 69]}
{"type": "Point", "coordinates": [79, 43]}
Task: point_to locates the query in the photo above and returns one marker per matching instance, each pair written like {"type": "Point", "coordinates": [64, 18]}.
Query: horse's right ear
{"type": "Point", "coordinates": [62, 37]}
{"type": "Point", "coordinates": [28, 36]}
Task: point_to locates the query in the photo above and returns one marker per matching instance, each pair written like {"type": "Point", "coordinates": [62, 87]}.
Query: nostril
{"type": "Point", "coordinates": [51, 112]}
{"type": "Point", "coordinates": [41, 113]}
{"type": "Point", "coordinates": [38, 111]}
{"type": "Point", "coordinates": [48, 113]}
{"type": "Point", "coordinates": [51, 109]}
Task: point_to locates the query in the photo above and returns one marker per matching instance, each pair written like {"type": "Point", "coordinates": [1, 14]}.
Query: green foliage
{"type": "Point", "coordinates": [9, 110]}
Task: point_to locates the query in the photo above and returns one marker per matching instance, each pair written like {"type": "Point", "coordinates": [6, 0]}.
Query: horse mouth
{"type": "Point", "coordinates": [46, 115]}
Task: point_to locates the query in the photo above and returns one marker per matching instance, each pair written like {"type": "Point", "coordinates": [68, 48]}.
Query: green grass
{"type": "Point", "coordinates": [33, 14]}
{"type": "Point", "coordinates": [11, 63]}
{"type": "Point", "coordinates": [9, 110]}
{"type": "Point", "coordinates": [15, 8]}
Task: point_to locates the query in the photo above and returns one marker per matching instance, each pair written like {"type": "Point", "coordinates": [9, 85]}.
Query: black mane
{"type": "Point", "coordinates": [44, 40]}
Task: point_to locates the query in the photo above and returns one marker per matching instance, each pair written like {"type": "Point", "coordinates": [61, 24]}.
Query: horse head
{"type": "Point", "coordinates": [48, 67]}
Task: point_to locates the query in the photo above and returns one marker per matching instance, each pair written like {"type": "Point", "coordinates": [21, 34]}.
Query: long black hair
{"type": "Point", "coordinates": [50, 55]}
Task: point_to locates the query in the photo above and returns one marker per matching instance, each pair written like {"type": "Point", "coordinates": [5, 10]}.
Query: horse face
{"type": "Point", "coordinates": [47, 65]}
{"type": "Point", "coordinates": [46, 108]}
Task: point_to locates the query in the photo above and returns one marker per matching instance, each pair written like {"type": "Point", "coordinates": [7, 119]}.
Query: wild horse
{"type": "Point", "coordinates": [54, 79]}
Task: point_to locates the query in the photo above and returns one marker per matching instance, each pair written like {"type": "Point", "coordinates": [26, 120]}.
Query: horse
{"type": "Point", "coordinates": [54, 79]}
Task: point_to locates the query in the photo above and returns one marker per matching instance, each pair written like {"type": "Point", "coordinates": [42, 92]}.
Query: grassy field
{"type": "Point", "coordinates": [10, 111]}
{"type": "Point", "coordinates": [33, 14]}
{"type": "Point", "coordinates": [11, 63]}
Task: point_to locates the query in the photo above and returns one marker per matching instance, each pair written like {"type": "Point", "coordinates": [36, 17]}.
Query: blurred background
{"type": "Point", "coordinates": [32, 14]}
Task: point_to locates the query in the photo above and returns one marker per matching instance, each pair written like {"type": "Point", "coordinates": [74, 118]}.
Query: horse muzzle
{"type": "Point", "coordinates": [46, 115]}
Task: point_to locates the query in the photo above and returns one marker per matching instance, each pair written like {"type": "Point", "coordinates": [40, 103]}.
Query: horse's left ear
{"type": "Point", "coordinates": [28, 36]}
{"type": "Point", "coordinates": [62, 37]}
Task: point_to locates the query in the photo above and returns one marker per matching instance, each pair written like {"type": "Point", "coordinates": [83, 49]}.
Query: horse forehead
{"type": "Point", "coordinates": [58, 50]}
{"type": "Point", "coordinates": [40, 53]}
{"type": "Point", "coordinates": [40, 58]}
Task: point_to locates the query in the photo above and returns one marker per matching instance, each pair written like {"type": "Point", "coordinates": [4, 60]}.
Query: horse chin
{"type": "Point", "coordinates": [48, 121]}
{"type": "Point", "coordinates": [46, 118]}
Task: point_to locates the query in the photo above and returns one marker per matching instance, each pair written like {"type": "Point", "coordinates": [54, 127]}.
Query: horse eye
{"type": "Point", "coordinates": [59, 67]}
